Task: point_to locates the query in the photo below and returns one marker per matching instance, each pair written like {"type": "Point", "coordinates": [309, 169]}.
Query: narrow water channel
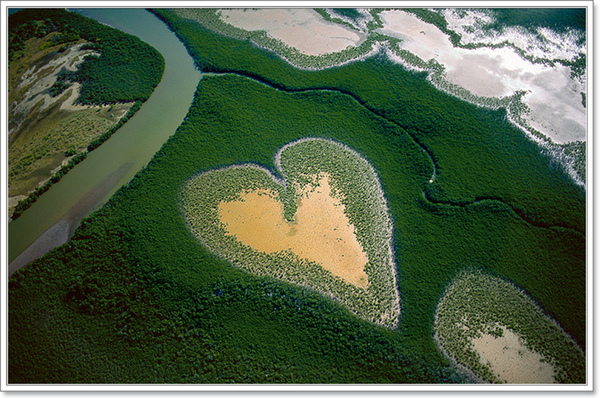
{"type": "Point", "coordinates": [91, 183]}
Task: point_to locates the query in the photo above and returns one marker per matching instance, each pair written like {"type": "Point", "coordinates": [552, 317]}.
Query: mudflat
{"type": "Point", "coordinates": [552, 95]}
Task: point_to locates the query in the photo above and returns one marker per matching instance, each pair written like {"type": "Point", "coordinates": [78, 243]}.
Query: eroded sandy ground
{"type": "Point", "coordinates": [301, 28]}
{"type": "Point", "coordinates": [321, 231]}
{"type": "Point", "coordinates": [552, 96]}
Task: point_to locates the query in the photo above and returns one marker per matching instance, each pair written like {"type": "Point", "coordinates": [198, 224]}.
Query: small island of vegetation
{"type": "Point", "coordinates": [306, 166]}
{"type": "Point", "coordinates": [481, 315]}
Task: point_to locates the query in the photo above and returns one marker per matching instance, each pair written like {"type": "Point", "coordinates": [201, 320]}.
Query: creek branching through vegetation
{"type": "Point", "coordinates": [429, 190]}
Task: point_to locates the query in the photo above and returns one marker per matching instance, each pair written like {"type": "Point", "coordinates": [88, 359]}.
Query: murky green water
{"type": "Point", "coordinates": [135, 143]}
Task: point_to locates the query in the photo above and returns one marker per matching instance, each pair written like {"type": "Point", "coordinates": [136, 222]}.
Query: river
{"type": "Point", "coordinates": [58, 212]}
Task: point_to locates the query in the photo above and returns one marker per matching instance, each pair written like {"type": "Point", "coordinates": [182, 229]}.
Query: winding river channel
{"type": "Point", "coordinates": [57, 213]}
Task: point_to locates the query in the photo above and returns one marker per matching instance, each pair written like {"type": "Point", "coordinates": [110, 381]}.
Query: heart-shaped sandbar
{"type": "Point", "coordinates": [325, 225]}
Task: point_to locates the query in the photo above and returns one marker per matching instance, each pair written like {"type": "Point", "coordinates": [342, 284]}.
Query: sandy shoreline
{"type": "Point", "coordinates": [54, 236]}
{"type": "Point", "coordinates": [511, 361]}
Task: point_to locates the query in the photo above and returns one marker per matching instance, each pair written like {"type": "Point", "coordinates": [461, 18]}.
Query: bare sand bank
{"type": "Point", "coordinates": [321, 231]}
{"type": "Point", "coordinates": [14, 200]}
{"type": "Point", "coordinates": [54, 236]}
{"type": "Point", "coordinates": [301, 28]}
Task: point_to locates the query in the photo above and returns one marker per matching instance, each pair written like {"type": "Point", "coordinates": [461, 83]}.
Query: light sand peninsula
{"type": "Point", "coordinates": [69, 104]}
{"type": "Point", "coordinates": [321, 231]}
{"type": "Point", "coordinates": [554, 98]}
{"type": "Point", "coordinates": [301, 28]}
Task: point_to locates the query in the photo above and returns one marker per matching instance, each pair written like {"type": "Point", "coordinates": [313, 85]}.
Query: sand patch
{"type": "Point", "coordinates": [14, 200]}
{"type": "Point", "coordinates": [321, 231]}
{"type": "Point", "coordinates": [554, 98]}
{"type": "Point", "coordinates": [497, 334]}
{"type": "Point", "coordinates": [301, 28]}
{"type": "Point", "coordinates": [511, 361]}
{"type": "Point", "coordinates": [69, 103]}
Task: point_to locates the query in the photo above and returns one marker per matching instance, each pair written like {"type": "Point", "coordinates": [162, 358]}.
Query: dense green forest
{"type": "Point", "coordinates": [127, 69]}
{"type": "Point", "coordinates": [435, 120]}
{"type": "Point", "coordinates": [137, 296]}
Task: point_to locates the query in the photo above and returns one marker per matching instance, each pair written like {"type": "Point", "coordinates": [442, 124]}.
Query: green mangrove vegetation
{"type": "Point", "coordinates": [555, 18]}
{"type": "Point", "coordinates": [127, 69]}
{"type": "Point", "coordinates": [210, 18]}
{"type": "Point", "coordinates": [379, 42]}
{"type": "Point", "coordinates": [350, 13]}
{"type": "Point", "coordinates": [353, 180]}
{"type": "Point", "coordinates": [471, 137]}
{"type": "Point", "coordinates": [137, 296]}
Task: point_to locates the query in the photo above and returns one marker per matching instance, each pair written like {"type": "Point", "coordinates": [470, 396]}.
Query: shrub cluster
{"type": "Point", "coordinates": [353, 181]}
{"type": "Point", "coordinates": [476, 303]}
